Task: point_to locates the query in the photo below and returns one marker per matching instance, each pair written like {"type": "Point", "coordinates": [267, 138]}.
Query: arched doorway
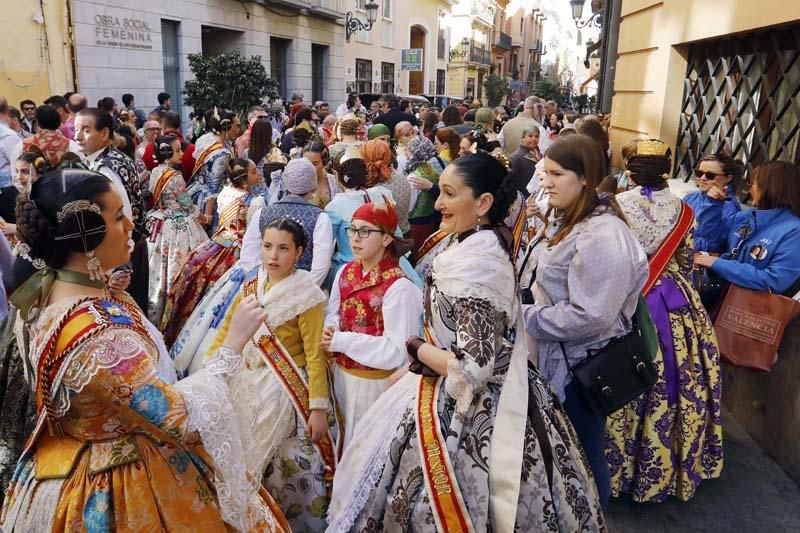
{"type": "Point", "coordinates": [416, 80]}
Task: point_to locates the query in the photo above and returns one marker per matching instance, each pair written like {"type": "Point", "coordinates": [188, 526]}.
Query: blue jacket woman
{"type": "Point", "coordinates": [762, 245]}
{"type": "Point", "coordinates": [723, 171]}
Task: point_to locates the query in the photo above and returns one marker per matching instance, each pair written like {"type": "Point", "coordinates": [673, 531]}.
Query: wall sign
{"type": "Point", "coordinates": [411, 59]}
{"type": "Point", "coordinates": [122, 32]}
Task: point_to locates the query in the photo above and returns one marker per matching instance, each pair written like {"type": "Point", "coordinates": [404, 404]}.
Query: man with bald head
{"type": "Point", "coordinates": [511, 135]}
{"type": "Point", "coordinates": [75, 104]}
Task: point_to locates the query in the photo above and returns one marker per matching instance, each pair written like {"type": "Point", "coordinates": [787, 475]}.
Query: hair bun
{"type": "Point", "coordinates": [34, 228]}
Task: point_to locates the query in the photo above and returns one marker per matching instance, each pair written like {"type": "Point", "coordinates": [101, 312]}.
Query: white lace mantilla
{"type": "Point", "coordinates": [477, 267]}
{"type": "Point", "coordinates": [289, 297]}
{"type": "Point", "coordinates": [226, 438]}
{"type": "Point", "coordinates": [651, 221]}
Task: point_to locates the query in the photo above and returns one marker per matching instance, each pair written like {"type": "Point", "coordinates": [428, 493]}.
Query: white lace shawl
{"type": "Point", "coordinates": [477, 267]}
{"type": "Point", "coordinates": [260, 397]}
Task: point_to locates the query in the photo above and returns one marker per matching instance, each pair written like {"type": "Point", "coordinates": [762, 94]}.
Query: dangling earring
{"type": "Point", "coordinates": [93, 264]}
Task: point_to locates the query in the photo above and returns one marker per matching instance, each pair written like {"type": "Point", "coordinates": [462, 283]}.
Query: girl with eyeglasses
{"type": "Point", "coordinates": [373, 309]}
{"type": "Point", "coordinates": [724, 172]}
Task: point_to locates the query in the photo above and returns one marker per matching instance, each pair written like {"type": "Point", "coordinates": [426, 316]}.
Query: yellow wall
{"type": "Point", "coordinates": [653, 45]}
{"type": "Point", "coordinates": [35, 71]}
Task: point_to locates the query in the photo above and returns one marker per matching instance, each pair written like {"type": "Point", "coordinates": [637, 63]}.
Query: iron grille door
{"type": "Point", "coordinates": [741, 98]}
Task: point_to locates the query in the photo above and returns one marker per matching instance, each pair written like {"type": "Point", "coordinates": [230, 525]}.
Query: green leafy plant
{"type": "Point", "coordinates": [547, 89]}
{"type": "Point", "coordinates": [228, 80]}
{"type": "Point", "coordinates": [496, 88]}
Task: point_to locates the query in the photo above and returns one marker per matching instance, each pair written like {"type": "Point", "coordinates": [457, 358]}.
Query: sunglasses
{"type": "Point", "coordinates": [262, 117]}
{"type": "Point", "coordinates": [705, 175]}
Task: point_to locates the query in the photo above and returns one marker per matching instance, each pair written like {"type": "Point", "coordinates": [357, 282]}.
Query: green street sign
{"type": "Point", "coordinates": [411, 59]}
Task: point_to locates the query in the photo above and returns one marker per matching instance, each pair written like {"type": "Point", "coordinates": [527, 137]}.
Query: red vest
{"type": "Point", "coordinates": [361, 301]}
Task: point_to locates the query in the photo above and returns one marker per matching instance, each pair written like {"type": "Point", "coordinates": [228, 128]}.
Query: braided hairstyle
{"type": "Point", "coordinates": [484, 173]}
{"type": "Point", "coordinates": [37, 214]}
{"type": "Point", "coordinates": [237, 171]}
{"type": "Point", "coordinates": [290, 226]}
{"type": "Point", "coordinates": [164, 151]}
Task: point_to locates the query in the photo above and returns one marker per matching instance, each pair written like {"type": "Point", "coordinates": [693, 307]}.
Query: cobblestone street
{"type": "Point", "coordinates": [754, 495]}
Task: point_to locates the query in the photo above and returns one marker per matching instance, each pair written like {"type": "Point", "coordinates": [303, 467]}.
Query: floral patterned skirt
{"type": "Point", "coordinates": [202, 327]}
{"type": "Point", "coordinates": [667, 441]}
{"type": "Point", "coordinates": [171, 241]}
{"type": "Point", "coordinates": [205, 266]}
{"type": "Point", "coordinates": [17, 407]}
{"type": "Point", "coordinates": [557, 495]}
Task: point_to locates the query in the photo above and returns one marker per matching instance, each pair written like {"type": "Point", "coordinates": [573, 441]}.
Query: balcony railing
{"type": "Point", "coordinates": [479, 54]}
{"type": "Point", "coordinates": [502, 40]}
{"type": "Point", "coordinates": [482, 10]}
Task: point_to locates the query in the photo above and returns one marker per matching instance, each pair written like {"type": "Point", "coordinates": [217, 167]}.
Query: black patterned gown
{"type": "Point", "coordinates": [557, 492]}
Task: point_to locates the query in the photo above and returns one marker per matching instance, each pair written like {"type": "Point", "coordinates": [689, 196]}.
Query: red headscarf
{"type": "Point", "coordinates": [381, 215]}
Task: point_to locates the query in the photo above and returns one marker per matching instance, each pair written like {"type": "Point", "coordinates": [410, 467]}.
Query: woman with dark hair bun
{"type": "Point", "coordinates": [668, 440]}
{"type": "Point", "coordinates": [209, 261]}
{"type": "Point", "coordinates": [213, 154]}
{"type": "Point", "coordinates": [412, 459]}
{"type": "Point", "coordinates": [173, 224]}
{"type": "Point", "coordinates": [116, 446]}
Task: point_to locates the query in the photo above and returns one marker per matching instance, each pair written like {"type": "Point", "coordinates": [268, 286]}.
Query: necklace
{"type": "Point", "coordinates": [78, 278]}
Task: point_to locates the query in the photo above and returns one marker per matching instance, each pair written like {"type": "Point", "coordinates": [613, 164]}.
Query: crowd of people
{"type": "Point", "coordinates": [342, 320]}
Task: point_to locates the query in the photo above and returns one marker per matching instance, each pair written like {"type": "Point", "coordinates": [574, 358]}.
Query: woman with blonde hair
{"type": "Point", "coordinates": [347, 135]}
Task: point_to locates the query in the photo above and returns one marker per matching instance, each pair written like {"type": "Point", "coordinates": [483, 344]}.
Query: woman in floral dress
{"type": "Point", "coordinates": [445, 445]}
{"type": "Point", "coordinates": [115, 447]}
{"type": "Point", "coordinates": [208, 262]}
{"type": "Point", "coordinates": [172, 224]}
{"type": "Point", "coordinates": [287, 397]}
{"type": "Point", "coordinates": [667, 441]}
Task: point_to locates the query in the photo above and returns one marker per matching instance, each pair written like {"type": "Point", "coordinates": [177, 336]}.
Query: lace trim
{"type": "Point", "coordinates": [365, 457]}
{"type": "Point", "coordinates": [318, 403]}
{"type": "Point", "coordinates": [458, 384]}
{"type": "Point", "coordinates": [288, 298]}
{"type": "Point", "coordinates": [226, 439]}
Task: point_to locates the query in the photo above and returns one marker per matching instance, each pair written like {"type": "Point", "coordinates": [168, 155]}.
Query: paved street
{"type": "Point", "coordinates": [753, 496]}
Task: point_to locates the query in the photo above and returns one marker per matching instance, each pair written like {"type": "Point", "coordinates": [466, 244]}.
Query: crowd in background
{"type": "Point", "coordinates": [374, 252]}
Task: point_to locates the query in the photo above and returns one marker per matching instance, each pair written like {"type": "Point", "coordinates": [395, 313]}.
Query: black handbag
{"type": "Point", "coordinates": [622, 370]}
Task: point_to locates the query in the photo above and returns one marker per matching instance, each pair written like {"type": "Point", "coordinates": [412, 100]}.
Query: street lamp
{"type": "Point", "coordinates": [352, 24]}
{"type": "Point", "coordinates": [460, 54]}
{"type": "Point", "coordinates": [577, 12]}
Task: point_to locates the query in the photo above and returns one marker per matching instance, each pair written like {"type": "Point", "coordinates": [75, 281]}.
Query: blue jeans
{"type": "Point", "coordinates": [591, 430]}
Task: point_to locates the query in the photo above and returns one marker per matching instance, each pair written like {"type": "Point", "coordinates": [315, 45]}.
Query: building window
{"type": "Point", "coordinates": [278, 60]}
{"type": "Point", "coordinates": [470, 92]}
{"type": "Point", "coordinates": [363, 76]}
{"type": "Point", "coordinates": [387, 78]}
{"type": "Point", "coordinates": [440, 76]}
{"type": "Point", "coordinates": [441, 44]}
{"type": "Point", "coordinates": [388, 34]}
{"type": "Point", "coordinates": [171, 60]}
{"type": "Point", "coordinates": [387, 9]}
{"type": "Point", "coordinates": [319, 65]}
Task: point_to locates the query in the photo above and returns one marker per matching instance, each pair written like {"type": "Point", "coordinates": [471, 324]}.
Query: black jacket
{"type": "Point", "coordinates": [393, 118]}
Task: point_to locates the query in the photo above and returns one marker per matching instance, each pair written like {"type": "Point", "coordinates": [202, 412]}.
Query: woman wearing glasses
{"type": "Point", "coordinates": [761, 246]}
{"type": "Point", "coordinates": [720, 170]}
{"type": "Point", "coordinates": [374, 308]}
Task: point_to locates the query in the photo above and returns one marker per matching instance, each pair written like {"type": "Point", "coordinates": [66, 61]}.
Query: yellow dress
{"type": "Point", "coordinates": [296, 473]}
{"type": "Point", "coordinates": [127, 456]}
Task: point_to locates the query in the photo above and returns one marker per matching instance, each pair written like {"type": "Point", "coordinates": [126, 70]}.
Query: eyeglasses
{"type": "Point", "coordinates": [699, 174]}
{"type": "Point", "coordinates": [363, 233]}
{"type": "Point", "coordinates": [262, 117]}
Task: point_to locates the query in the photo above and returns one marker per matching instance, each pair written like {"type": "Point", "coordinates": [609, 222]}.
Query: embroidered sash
{"type": "Point", "coordinates": [447, 504]}
{"type": "Point", "coordinates": [429, 244]}
{"type": "Point", "coordinates": [161, 184]}
{"type": "Point", "coordinates": [200, 161]}
{"type": "Point", "coordinates": [280, 361]}
{"type": "Point", "coordinates": [517, 231]}
{"type": "Point", "coordinates": [449, 510]}
{"type": "Point", "coordinates": [661, 258]}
